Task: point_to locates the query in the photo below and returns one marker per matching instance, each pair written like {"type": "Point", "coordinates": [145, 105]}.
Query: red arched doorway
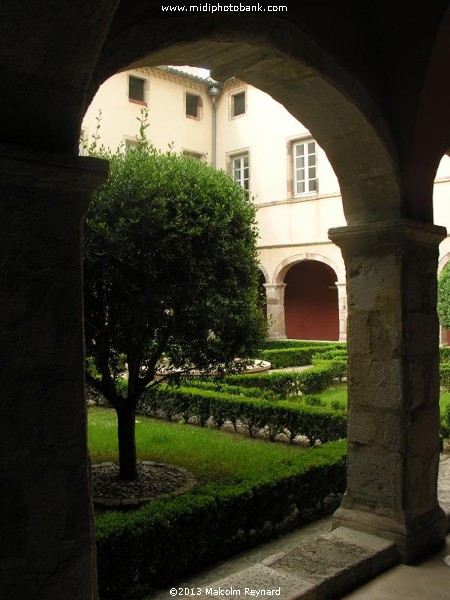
{"type": "Point", "coordinates": [311, 302]}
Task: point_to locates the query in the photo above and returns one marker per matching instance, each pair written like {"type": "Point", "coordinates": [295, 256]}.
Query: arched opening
{"type": "Point", "coordinates": [311, 302]}
{"type": "Point", "coordinates": [441, 197]}
{"type": "Point", "coordinates": [350, 116]}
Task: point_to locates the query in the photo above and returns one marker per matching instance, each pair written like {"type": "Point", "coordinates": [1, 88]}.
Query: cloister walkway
{"type": "Point", "coordinates": [429, 579]}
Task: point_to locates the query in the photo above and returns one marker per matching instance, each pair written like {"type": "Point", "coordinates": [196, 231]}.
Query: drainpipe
{"type": "Point", "coordinates": [213, 93]}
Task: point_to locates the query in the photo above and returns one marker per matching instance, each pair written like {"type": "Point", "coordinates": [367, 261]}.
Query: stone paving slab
{"type": "Point", "coordinates": [296, 579]}
{"type": "Point", "coordinates": [258, 581]}
{"type": "Point", "coordinates": [322, 567]}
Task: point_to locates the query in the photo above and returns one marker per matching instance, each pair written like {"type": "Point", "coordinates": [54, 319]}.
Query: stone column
{"type": "Point", "coordinates": [393, 335]}
{"type": "Point", "coordinates": [275, 310]}
{"type": "Point", "coordinates": [47, 546]}
{"type": "Point", "coordinates": [342, 303]}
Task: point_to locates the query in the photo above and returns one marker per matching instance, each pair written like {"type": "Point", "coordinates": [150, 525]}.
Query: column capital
{"type": "Point", "coordinates": [389, 233]}
{"type": "Point", "coordinates": [274, 286]}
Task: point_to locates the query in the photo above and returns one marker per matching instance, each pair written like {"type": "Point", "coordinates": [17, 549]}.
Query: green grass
{"type": "Point", "coordinates": [336, 393]}
{"type": "Point", "coordinates": [209, 455]}
{"type": "Point", "coordinates": [444, 400]}
{"type": "Point", "coordinates": [339, 392]}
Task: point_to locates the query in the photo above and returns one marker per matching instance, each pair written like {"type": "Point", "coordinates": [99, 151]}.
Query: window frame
{"type": "Point", "coordinates": [241, 156]}
{"type": "Point", "coordinates": [199, 105]}
{"type": "Point", "coordinates": [144, 89]}
{"type": "Point", "coordinates": [310, 190]}
{"type": "Point", "coordinates": [201, 156]}
{"type": "Point", "coordinates": [233, 95]}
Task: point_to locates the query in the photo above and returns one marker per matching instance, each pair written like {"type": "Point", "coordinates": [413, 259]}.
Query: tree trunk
{"type": "Point", "coordinates": [127, 441]}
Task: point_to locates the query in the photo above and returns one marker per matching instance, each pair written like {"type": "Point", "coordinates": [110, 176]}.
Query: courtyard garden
{"type": "Point", "coordinates": [264, 449]}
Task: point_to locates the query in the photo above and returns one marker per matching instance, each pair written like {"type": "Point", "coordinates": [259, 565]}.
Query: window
{"type": "Point", "coordinates": [130, 143]}
{"type": "Point", "coordinates": [240, 170]}
{"type": "Point", "coordinates": [194, 155]}
{"type": "Point", "coordinates": [136, 89]}
{"type": "Point", "coordinates": [193, 105]}
{"type": "Point", "coordinates": [238, 104]}
{"type": "Point", "coordinates": [305, 167]}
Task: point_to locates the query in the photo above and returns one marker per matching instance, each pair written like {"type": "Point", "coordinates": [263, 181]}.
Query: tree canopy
{"type": "Point", "coordinates": [444, 298]}
{"type": "Point", "coordinates": [170, 269]}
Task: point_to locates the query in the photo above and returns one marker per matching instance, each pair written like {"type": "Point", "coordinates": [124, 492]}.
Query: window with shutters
{"type": "Point", "coordinates": [136, 89]}
{"type": "Point", "coordinates": [304, 155]}
{"type": "Point", "coordinates": [240, 170]}
{"type": "Point", "coordinates": [193, 105]}
{"type": "Point", "coordinates": [238, 104]}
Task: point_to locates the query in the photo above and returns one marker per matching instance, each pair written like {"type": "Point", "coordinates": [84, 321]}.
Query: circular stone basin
{"type": "Point", "coordinates": [255, 366]}
{"type": "Point", "coordinates": [154, 479]}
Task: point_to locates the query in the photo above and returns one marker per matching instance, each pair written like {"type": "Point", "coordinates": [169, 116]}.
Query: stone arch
{"type": "Point", "coordinates": [51, 63]}
{"type": "Point", "coordinates": [443, 262]}
{"type": "Point", "coordinates": [286, 264]}
{"type": "Point", "coordinates": [287, 64]}
{"type": "Point", "coordinates": [264, 272]}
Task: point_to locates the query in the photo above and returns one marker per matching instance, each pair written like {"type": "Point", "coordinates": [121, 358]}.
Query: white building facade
{"type": "Point", "coordinates": [242, 130]}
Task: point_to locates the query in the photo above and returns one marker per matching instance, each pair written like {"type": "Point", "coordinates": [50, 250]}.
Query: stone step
{"type": "Point", "coordinates": [323, 567]}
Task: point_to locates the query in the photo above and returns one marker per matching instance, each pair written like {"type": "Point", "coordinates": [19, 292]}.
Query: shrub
{"type": "Point", "coordinates": [317, 379]}
{"type": "Point", "coordinates": [444, 354]}
{"type": "Point", "coordinates": [444, 375]}
{"type": "Point", "coordinates": [445, 424]}
{"type": "Point", "coordinates": [218, 385]}
{"type": "Point", "coordinates": [180, 535]}
{"type": "Point", "coordinates": [296, 418]}
{"type": "Point", "coordinates": [281, 358]}
{"type": "Point", "coordinates": [288, 357]}
{"type": "Point", "coordinates": [279, 344]}
{"type": "Point", "coordinates": [283, 384]}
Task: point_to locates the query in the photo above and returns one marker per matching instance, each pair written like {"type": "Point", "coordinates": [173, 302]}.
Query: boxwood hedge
{"type": "Point", "coordinates": [173, 536]}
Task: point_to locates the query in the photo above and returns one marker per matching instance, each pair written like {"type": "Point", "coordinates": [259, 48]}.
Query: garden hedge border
{"type": "Point", "coordinates": [310, 381]}
{"type": "Point", "coordinates": [172, 537]}
{"type": "Point", "coordinates": [294, 418]}
{"type": "Point", "coordinates": [281, 358]}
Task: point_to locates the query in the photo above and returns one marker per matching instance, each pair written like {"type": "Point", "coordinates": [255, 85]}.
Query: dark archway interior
{"type": "Point", "coordinates": [311, 302]}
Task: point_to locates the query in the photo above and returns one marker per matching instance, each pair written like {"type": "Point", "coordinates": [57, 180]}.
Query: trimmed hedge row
{"type": "Point", "coordinates": [218, 385]}
{"type": "Point", "coordinates": [281, 358]}
{"type": "Point", "coordinates": [293, 418]}
{"type": "Point", "coordinates": [279, 344]}
{"type": "Point", "coordinates": [444, 374]}
{"type": "Point", "coordinates": [171, 537]}
{"type": "Point", "coordinates": [338, 366]}
{"type": "Point", "coordinates": [310, 381]}
{"type": "Point", "coordinates": [444, 354]}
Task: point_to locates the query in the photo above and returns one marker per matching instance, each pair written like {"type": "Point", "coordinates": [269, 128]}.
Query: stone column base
{"type": "Point", "coordinates": [412, 541]}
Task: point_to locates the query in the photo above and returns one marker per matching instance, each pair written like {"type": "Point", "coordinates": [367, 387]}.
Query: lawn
{"type": "Point", "coordinates": [210, 455]}
{"type": "Point", "coordinates": [339, 393]}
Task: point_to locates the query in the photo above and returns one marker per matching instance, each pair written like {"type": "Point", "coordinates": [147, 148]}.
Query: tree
{"type": "Point", "coordinates": [170, 269]}
{"type": "Point", "coordinates": [444, 298]}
